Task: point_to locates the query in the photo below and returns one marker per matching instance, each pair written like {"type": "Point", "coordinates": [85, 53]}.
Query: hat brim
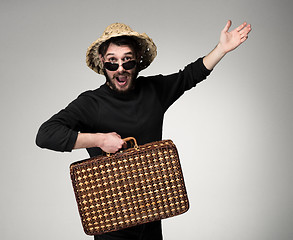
{"type": "Point", "coordinates": [148, 50]}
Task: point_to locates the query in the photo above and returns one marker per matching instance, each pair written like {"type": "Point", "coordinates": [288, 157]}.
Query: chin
{"type": "Point", "coordinates": [124, 89]}
{"type": "Point", "coordinates": [130, 85]}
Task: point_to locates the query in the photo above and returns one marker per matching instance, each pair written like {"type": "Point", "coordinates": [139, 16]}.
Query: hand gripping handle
{"type": "Point", "coordinates": [128, 139]}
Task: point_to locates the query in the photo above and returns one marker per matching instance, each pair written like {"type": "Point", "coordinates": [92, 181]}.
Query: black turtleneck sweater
{"type": "Point", "coordinates": [138, 113]}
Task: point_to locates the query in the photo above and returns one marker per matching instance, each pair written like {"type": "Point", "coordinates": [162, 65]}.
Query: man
{"type": "Point", "coordinates": [127, 105]}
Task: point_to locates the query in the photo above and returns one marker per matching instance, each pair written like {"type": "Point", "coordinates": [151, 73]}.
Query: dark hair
{"type": "Point", "coordinates": [121, 41]}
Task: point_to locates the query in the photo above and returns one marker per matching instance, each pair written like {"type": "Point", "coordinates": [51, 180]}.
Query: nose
{"type": "Point", "coordinates": [120, 68]}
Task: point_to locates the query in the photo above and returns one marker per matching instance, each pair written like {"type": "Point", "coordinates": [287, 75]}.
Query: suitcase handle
{"type": "Point", "coordinates": [128, 139]}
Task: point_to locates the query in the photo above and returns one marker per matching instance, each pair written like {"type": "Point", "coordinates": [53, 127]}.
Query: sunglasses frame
{"type": "Point", "coordinates": [114, 66]}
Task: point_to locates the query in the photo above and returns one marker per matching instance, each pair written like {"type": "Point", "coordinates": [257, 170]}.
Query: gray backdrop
{"type": "Point", "coordinates": [233, 131]}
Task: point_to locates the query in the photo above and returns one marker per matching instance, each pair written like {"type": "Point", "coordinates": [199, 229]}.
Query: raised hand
{"type": "Point", "coordinates": [231, 40]}
{"type": "Point", "coordinates": [228, 42]}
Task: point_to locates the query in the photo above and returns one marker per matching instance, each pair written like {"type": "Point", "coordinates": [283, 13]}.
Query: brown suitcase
{"type": "Point", "coordinates": [134, 186]}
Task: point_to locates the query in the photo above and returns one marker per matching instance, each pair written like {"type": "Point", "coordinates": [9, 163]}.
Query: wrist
{"type": "Point", "coordinates": [213, 58]}
{"type": "Point", "coordinates": [220, 49]}
{"type": "Point", "coordinates": [89, 140]}
{"type": "Point", "coordinates": [98, 139]}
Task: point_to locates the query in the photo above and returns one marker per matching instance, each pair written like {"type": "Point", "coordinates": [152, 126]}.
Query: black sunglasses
{"type": "Point", "coordinates": [114, 66]}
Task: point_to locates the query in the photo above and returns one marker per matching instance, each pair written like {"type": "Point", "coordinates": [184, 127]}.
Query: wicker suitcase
{"type": "Point", "coordinates": [134, 186]}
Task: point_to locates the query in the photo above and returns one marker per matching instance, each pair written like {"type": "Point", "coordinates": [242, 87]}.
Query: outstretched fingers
{"type": "Point", "coordinates": [239, 28]}
{"type": "Point", "coordinates": [243, 30]}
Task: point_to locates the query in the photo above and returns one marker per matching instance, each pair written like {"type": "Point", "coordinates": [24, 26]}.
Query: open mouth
{"type": "Point", "coordinates": [121, 80]}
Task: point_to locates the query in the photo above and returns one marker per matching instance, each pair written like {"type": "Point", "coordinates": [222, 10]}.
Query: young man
{"type": "Point", "coordinates": [128, 105]}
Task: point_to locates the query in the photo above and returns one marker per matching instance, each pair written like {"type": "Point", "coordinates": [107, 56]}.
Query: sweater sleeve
{"type": "Point", "coordinates": [171, 87]}
{"type": "Point", "coordinates": [59, 133]}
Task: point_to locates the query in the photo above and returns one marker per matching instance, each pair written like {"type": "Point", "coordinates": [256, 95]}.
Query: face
{"type": "Point", "coordinates": [120, 80]}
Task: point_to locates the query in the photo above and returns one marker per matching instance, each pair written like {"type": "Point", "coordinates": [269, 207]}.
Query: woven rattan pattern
{"type": "Point", "coordinates": [129, 188]}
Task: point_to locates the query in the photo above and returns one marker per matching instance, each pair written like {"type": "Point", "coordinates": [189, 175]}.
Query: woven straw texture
{"type": "Point", "coordinates": [148, 47]}
{"type": "Point", "coordinates": [131, 187]}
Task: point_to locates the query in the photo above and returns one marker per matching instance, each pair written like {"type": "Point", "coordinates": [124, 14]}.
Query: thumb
{"type": "Point", "coordinates": [228, 25]}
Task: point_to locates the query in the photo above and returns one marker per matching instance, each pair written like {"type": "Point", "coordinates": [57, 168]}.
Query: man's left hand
{"type": "Point", "coordinates": [231, 40]}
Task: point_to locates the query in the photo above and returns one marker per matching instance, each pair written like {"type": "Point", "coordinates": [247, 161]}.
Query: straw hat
{"type": "Point", "coordinates": [148, 48]}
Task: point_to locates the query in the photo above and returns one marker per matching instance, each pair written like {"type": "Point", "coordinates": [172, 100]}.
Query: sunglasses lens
{"type": "Point", "coordinates": [114, 66]}
{"type": "Point", "coordinates": [111, 66]}
{"type": "Point", "coordinates": [129, 65]}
